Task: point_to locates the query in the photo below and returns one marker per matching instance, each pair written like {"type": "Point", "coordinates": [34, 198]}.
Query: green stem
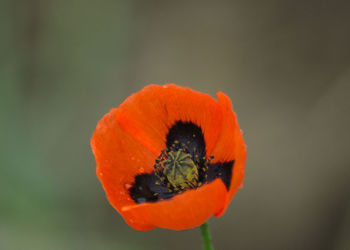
{"type": "Point", "coordinates": [205, 232]}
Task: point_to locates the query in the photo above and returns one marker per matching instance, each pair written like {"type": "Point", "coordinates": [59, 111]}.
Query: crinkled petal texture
{"type": "Point", "coordinates": [129, 138]}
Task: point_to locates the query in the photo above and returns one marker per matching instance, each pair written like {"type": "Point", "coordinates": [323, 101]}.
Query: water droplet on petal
{"type": "Point", "coordinates": [141, 200]}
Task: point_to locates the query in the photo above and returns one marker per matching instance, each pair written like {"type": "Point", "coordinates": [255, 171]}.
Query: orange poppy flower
{"type": "Point", "coordinates": [170, 157]}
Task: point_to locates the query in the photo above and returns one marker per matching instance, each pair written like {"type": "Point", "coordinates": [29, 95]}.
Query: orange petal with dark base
{"type": "Point", "coordinates": [143, 115]}
{"type": "Point", "coordinates": [119, 158]}
{"type": "Point", "coordinates": [230, 146]}
{"type": "Point", "coordinates": [188, 105]}
{"type": "Point", "coordinates": [148, 114]}
{"type": "Point", "coordinates": [187, 210]}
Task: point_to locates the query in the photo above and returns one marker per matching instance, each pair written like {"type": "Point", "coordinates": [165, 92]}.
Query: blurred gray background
{"type": "Point", "coordinates": [284, 64]}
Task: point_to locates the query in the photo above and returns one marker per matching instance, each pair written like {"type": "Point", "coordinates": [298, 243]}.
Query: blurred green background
{"type": "Point", "coordinates": [284, 64]}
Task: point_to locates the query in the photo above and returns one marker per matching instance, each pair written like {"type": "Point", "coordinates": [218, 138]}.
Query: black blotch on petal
{"type": "Point", "coordinates": [188, 134]}
{"type": "Point", "coordinates": [145, 189]}
{"type": "Point", "coordinates": [222, 170]}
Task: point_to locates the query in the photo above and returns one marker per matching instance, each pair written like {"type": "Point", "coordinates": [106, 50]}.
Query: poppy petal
{"type": "Point", "coordinates": [148, 114]}
{"type": "Point", "coordinates": [187, 210]}
{"type": "Point", "coordinates": [119, 158]}
{"type": "Point", "coordinates": [143, 115]}
{"type": "Point", "coordinates": [191, 106]}
{"type": "Point", "coordinates": [230, 146]}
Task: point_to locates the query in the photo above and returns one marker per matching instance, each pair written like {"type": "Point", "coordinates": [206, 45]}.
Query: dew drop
{"type": "Point", "coordinates": [141, 200]}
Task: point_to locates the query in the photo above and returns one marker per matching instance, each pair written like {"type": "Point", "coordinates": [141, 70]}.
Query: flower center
{"type": "Point", "coordinates": [181, 165]}
{"type": "Point", "coordinates": [180, 170]}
